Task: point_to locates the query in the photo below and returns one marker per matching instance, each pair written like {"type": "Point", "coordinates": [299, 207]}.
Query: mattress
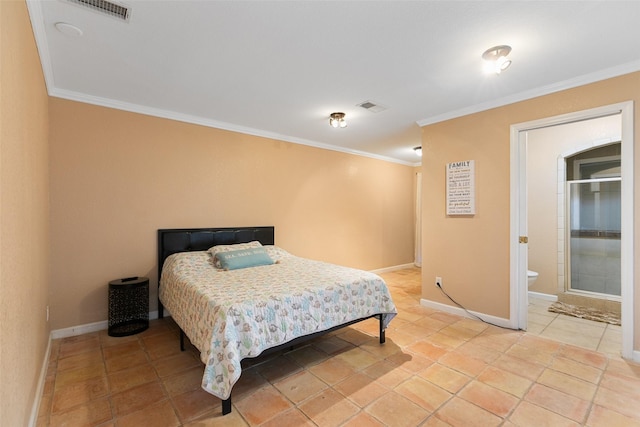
{"type": "Point", "coordinates": [236, 314]}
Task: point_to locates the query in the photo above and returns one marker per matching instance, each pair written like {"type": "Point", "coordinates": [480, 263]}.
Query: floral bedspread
{"type": "Point", "coordinates": [232, 315]}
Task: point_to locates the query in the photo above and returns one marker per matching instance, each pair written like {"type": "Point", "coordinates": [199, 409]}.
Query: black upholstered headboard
{"type": "Point", "coordinates": [174, 240]}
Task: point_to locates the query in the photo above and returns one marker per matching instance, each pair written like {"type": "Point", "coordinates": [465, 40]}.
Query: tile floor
{"type": "Point", "coordinates": [436, 369]}
{"type": "Point", "coordinates": [597, 336]}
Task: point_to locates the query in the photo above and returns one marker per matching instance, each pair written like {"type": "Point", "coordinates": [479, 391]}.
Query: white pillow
{"type": "Point", "coordinates": [276, 253]}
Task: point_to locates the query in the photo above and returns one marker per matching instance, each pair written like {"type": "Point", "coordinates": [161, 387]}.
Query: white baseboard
{"type": "Point", "coordinates": [546, 297]}
{"type": "Point", "coordinates": [91, 327]}
{"type": "Point", "coordinates": [394, 268]}
{"type": "Point", "coordinates": [79, 330]}
{"type": "Point", "coordinates": [102, 325]}
{"type": "Point", "coordinates": [498, 321]}
{"type": "Point", "coordinates": [33, 419]}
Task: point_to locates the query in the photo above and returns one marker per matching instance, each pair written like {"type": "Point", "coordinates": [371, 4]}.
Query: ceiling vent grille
{"type": "Point", "coordinates": [105, 7]}
{"type": "Point", "coordinates": [372, 106]}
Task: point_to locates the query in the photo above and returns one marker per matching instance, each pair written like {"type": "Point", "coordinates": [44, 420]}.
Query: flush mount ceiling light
{"type": "Point", "coordinates": [336, 120]}
{"type": "Point", "coordinates": [418, 151]}
{"type": "Point", "coordinates": [496, 60]}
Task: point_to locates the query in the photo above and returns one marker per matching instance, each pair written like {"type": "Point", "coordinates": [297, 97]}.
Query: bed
{"type": "Point", "coordinates": [247, 296]}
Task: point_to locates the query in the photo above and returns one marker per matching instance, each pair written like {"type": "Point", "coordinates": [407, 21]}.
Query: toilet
{"type": "Point", "coordinates": [531, 277]}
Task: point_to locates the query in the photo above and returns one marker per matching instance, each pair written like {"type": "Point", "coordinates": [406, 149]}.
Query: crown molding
{"type": "Point", "coordinates": [585, 79]}
{"type": "Point", "coordinates": [186, 118]}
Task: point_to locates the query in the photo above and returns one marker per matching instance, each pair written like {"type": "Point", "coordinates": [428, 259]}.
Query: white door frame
{"type": "Point", "coordinates": [518, 216]}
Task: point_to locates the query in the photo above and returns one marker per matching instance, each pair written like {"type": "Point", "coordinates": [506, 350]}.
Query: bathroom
{"type": "Point", "coordinates": [574, 248]}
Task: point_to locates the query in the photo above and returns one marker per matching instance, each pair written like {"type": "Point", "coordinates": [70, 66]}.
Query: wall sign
{"type": "Point", "coordinates": [461, 188]}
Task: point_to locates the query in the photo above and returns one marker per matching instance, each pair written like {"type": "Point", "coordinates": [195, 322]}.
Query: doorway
{"type": "Point", "coordinates": [519, 224]}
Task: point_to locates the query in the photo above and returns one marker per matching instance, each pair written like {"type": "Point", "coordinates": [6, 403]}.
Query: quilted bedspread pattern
{"type": "Point", "coordinates": [232, 315]}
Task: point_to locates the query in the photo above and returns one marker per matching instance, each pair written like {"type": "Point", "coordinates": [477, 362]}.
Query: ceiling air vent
{"type": "Point", "coordinates": [371, 106]}
{"type": "Point", "coordinates": [105, 7]}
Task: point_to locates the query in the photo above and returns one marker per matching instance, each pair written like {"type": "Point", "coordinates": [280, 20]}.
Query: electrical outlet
{"type": "Point", "coordinates": [439, 282]}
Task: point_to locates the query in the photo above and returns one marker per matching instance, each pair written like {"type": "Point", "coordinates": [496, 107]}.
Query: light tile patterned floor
{"type": "Point", "coordinates": [589, 334]}
{"type": "Point", "coordinates": [436, 369]}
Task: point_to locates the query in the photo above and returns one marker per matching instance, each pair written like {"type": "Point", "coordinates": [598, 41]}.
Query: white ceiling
{"type": "Point", "coordinates": [279, 68]}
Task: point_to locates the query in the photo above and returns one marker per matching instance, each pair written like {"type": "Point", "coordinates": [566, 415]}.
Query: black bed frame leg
{"type": "Point", "coordinates": [226, 406]}
{"type": "Point", "coordinates": [382, 335]}
{"type": "Point", "coordinates": [160, 310]}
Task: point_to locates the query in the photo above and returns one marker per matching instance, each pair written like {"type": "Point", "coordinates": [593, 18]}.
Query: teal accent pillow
{"type": "Point", "coordinates": [225, 248]}
{"type": "Point", "coordinates": [243, 258]}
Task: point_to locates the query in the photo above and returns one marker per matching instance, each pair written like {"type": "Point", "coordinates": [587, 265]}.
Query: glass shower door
{"type": "Point", "coordinates": [594, 240]}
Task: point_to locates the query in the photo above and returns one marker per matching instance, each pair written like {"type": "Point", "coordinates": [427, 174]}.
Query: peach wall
{"type": "Point", "coordinates": [24, 216]}
{"type": "Point", "coordinates": [472, 254]}
{"type": "Point", "coordinates": [116, 177]}
{"type": "Point", "coordinates": [459, 248]}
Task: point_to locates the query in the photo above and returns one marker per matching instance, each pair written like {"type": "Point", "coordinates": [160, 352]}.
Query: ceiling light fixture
{"type": "Point", "coordinates": [336, 120]}
{"type": "Point", "coordinates": [418, 151]}
{"type": "Point", "coordinates": [496, 60]}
